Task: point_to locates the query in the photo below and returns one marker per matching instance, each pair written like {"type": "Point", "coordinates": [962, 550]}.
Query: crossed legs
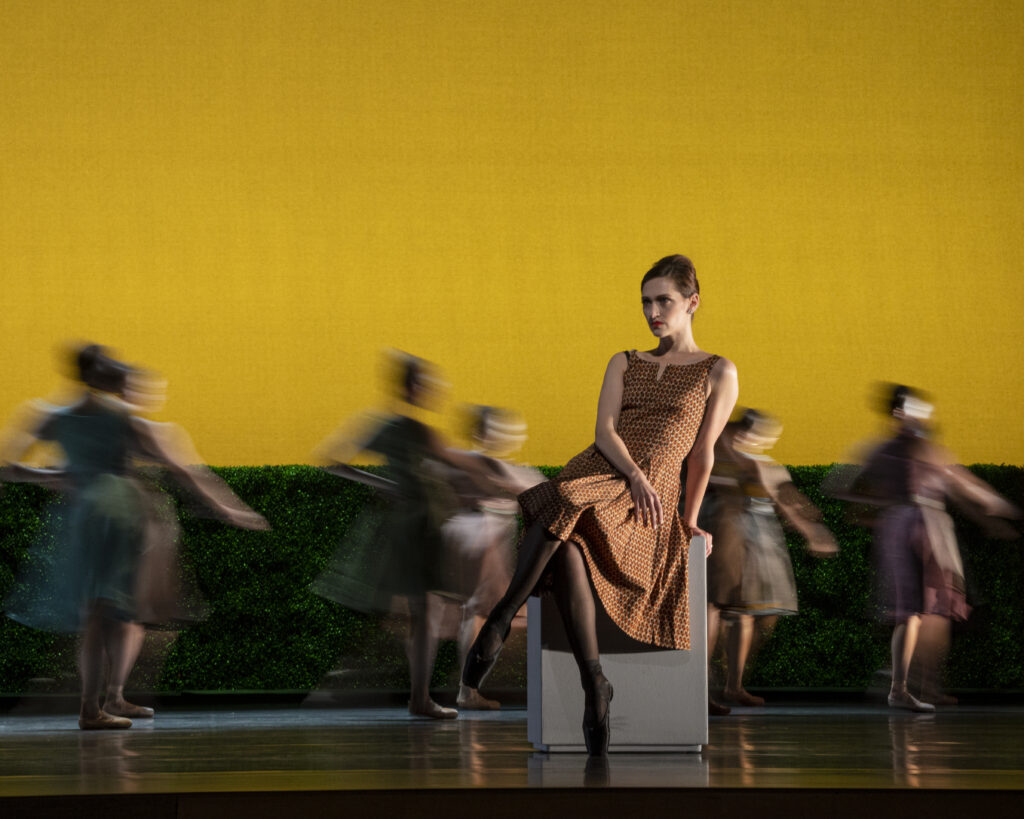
{"type": "Point", "coordinates": [575, 599]}
{"type": "Point", "coordinates": [537, 549]}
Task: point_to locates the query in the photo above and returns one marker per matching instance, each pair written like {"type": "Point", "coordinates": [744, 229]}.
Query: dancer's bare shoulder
{"type": "Point", "coordinates": [723, 376]}
{"type": "Point", "coordinates": [618, 363]}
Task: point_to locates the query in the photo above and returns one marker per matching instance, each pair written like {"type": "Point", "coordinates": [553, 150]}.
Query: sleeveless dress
{"type": "Point", "coordinates": [638, 572]}
{"type": "Point", "coordinates": [111, 540]}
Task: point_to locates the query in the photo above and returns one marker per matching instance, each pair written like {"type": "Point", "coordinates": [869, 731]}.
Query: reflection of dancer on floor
{"type": "Point", "coordinates": [101, 581]}
{"type": "Point", "coordinates": [609, 522]}
{"type": "Point", "coordinates": [403, 558]}
{"type": "Point", "coordinates": [482, 535]}
{"type": "Point", "coordinates": [749, 573]}
{"type": "Point", "coordinates": [919, 568]}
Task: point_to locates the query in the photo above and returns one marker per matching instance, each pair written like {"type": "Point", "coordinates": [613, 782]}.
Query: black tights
{"type": "Point", "coordinates": [574, 597]}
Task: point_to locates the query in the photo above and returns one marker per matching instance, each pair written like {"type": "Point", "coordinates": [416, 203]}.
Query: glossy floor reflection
{"type": "Point", "coordinates": [293, 749]}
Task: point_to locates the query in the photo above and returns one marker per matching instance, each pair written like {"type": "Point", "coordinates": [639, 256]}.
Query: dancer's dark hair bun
{"type": "Point", "coordinates": [750, 418]}
{"type": "Point", "coordinates": [411, 374]}
{"type": "Point", "coordinates": [678, 268]}
{"type": "Point", "coordinates": [99, 370]}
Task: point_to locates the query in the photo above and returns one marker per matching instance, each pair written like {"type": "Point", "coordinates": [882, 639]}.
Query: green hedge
{"type": "Point", "coordinates": [267, 631]}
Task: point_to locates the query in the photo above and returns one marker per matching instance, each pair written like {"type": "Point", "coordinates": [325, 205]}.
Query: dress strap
{"type": "Point", "coordinates": [709, 365]}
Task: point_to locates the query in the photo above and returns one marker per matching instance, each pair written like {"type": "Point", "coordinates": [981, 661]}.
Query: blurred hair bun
{"type": "Point", "coordinates": [97, 369]}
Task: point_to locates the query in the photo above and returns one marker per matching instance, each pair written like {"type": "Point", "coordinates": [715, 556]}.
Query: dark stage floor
{"type": "Point", "coordinates": [966, 754]}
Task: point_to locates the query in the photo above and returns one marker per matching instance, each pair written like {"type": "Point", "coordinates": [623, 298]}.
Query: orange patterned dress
{"type": "Point", "coordinates": [638, 572]}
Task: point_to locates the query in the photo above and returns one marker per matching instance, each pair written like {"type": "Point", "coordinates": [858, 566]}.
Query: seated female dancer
{"type": "Point", "coordinates": [608, 523]}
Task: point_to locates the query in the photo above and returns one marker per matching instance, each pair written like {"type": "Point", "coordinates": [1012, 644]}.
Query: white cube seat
{"type": "Point", "coordinates": [661, 695]}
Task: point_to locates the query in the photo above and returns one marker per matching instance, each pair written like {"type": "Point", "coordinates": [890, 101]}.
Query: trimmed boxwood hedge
{"type": "Point", "coordinates": [267, 631]}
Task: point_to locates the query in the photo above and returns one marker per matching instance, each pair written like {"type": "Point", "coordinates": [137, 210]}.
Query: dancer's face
{"type": "Point", "coordinates": [146, 392]}
{"type": "Point", "coordinates": [915, 416]}
{"type": "Point", "coordinates": [756, 440]}
{"type": "Point", "coordinates": [666, 309]}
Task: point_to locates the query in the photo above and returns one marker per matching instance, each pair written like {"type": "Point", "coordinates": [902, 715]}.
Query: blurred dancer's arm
{"type": "Point", "coordinates": [521, 477]}
{"type": "Point", "coordinates": [796, 508]}
{"type": "Point", "coordinates": [977, 500]}
{"type": "Point", "coordinates": [18, 439]}
{"type": "Point", "coordinates": [335, 451]}
{"type": "Point", "coordinates": [19, 473]}
{"type": "Point", "coordinates": [170, 445]}
{"type": "Point", "coordinates": [359, 476]}
{"type": "Point", "coordinates": [724, 391]}
{"type": "Point", "coordinates": [489, 482]}
{"type": "Point", "coordinates": [867, 482]}
{"type": "Point", "coordinates": [966, 486]}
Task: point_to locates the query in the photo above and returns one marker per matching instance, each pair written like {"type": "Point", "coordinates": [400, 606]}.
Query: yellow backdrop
{"type": "Point", "coordinates": [256, 198]}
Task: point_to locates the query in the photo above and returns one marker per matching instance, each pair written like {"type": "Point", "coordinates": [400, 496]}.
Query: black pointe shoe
{"type": "Point", "coordinates": [477, 666]}
{"type": "Point", "coordinates": [597, 735]}
{"type": "Point", "coordinates": [596, 772]}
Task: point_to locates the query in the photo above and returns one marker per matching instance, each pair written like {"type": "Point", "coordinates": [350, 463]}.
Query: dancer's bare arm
{"type": "Point", "coordinates": [648, 506]}
{"type": "Point", "coordinates": [976, 499]}
{"type": "Point", "coordinates": [491, 483]}
{"type": "Point", "coordinates": [966, 486]}
{"type": "Point", "coordinates": [341, 446]}
{"type": "Point", "coordinates": [724, 389]}
{"type": "Point", "coordinates": [170, 445]}
{"type": "Point", "coordinates": [796, 508]}
{"type": "Point", "coordinates": [18, 439]}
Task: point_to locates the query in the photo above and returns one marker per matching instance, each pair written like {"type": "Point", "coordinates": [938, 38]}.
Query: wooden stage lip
{"type": "Point", "coordinates": [590, 803]}
{"type": "Point", "coordinates": [785, 760]}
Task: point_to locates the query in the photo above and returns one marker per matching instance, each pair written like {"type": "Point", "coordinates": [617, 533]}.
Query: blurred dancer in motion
{"type": "Point", "coordinates": [749, 572]}
{"type": "Point", "coordinates": [107, 574]}
{"type": "Point", "coordinates": [481, 536]}
{"type": "Point", "coordinates": [403, 557]}
{"type": "Point", "coordinates": [919, 568]}
{"type": "Point", "coordinates": [609, 522]}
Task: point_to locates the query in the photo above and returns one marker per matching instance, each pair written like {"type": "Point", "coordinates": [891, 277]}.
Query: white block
{"type": "Point", "coordinates": [661, 695]}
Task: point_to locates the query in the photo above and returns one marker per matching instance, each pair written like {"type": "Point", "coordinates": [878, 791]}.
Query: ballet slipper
{"type": "Point", "coordinates": [123, 708]}
{"type": "Point", "coordinates": [743, 697]}
{"type": "Point", "coordinates": [470, 699]}
{"type": "Point", "coordinates": [103, 721]}
{"type": "Point", "coordinates": [938, 698]}
{"type": "Point", "coordinates": [433, 710]}
{"type": "Point", "coordinates": [716, 709]}
{"type": "Point", "coordinates": [904, 699]}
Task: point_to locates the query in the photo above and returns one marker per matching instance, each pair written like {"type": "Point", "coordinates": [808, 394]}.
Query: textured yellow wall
{"type": "Point", "coordinates": [257, 197]}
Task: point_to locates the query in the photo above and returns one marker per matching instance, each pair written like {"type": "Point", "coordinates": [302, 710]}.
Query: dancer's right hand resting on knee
{"type": "Point", "coordinates": [645, 500]}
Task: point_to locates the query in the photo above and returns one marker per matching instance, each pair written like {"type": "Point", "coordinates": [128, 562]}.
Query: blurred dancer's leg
{"type": "Point", "coordinates": [421, 649]}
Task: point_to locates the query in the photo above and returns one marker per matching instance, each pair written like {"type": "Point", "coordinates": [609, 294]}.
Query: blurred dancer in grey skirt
{"type": "Point", "coordinates": [749, 572]}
